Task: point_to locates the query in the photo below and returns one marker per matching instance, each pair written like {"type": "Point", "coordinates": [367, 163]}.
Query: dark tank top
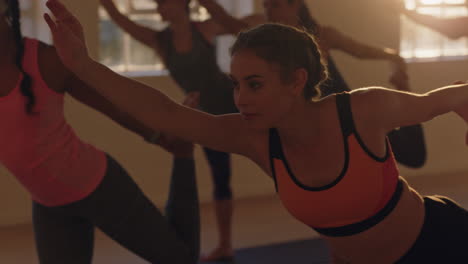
{"type": "Point", "coordinates": [198, 70]}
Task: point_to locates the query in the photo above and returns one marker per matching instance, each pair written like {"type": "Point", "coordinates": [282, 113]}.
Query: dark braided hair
{"type": "Point", "coordinates": [14, 20]}
{"type": "Point", "coordinates": [291, 49]}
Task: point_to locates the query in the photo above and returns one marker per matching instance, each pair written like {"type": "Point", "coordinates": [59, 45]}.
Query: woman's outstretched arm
{"type": "Point", "coordinates": [154, 109]}
{"type": "Point", "coordinates": [453, 28]}
{"type": "Point", "coordinates": [143, 34]}
{"type": "Point", "coordinates": [392, 109]}
{"type": "Point", "coordinates": [339, 41]}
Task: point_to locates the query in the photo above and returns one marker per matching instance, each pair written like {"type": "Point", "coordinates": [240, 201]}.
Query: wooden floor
{"type": "Point", "coordinates": [257, 221]}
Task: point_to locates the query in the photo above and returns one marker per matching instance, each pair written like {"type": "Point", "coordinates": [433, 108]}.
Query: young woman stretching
{"type": "Point", "coordinates": [349, 189]}
{"type": "Point", "coordinates": [75, 186]}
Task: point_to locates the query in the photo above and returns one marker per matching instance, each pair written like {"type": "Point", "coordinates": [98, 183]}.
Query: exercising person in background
{"type": "Point", "coordinates": [74, 186]}
{"type": "Point", "coordinates": [454, 28]}
{"type": "Point", "coordinates": [187, 50]}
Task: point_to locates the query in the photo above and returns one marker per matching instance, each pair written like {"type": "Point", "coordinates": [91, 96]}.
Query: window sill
{"type": "Point", "coordinates": [140, 74]}
{"type": "Point", "coordinates": [436, 59]}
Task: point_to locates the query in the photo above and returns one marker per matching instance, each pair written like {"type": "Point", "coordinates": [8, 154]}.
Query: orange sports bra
{"type": "Point", "coordinates": [365, 192]}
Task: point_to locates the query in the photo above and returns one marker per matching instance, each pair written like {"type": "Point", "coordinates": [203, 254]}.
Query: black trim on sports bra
{"type": "Point", "coordinates": [343, 101]}
{"type": "Point", "coordinates": [343, 104]}
{"type": "Point", "coordinates": [348, 128]}
{"type": "Point", "coordinates": [273, 149]}
{"type": "Point", "coordinates": [364, 225]}
{"type": "Point", "coordinates": [276, 151]}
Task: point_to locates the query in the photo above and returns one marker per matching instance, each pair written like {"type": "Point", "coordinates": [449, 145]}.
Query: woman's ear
{"type": "Point", "coordinates": [301, 76]}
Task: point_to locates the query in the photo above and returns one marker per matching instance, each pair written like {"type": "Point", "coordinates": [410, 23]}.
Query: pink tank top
{"type": "Point", "coordinates": [42, 150]}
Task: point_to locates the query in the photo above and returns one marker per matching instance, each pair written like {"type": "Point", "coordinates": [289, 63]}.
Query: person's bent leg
{"type": "Point", "coordinates": [62, 238]}
{"type": "Point", "coordinates": [120, 209]}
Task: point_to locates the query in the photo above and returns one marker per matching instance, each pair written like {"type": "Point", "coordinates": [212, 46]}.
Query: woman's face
{"type": "Point", "coordinates": [262, 97]}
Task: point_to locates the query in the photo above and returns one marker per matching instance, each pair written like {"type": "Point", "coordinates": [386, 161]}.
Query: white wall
{"type": "Point", "coordinates": [367, 20]}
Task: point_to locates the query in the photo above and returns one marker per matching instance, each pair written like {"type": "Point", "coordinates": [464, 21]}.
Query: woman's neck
{"type": "Point", "coordinates": [181, 25]}
{"type": "Point", "coordinates": [302, 125]}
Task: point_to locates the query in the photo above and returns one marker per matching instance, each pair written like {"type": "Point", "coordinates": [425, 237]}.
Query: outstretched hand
{"type": "Point", "coordinates": [68, 36]}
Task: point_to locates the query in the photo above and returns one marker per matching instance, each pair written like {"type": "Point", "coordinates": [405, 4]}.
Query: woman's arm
{"type": "Point", "coordinates": [337, 40]}
{"type": "Point", "coordinates": [225, 22]}
{"type": "Point", "coordinates": [86, 95]}
{"type": "Point", "coordinates": [391, 109]}
{"type": "Point", "coordinates": [453, 28]}
{"type": "Point", "coordinates": [226, 133]}
{"type": "Point", "coordinates": [181, 149]}
{"type": "Point", "coordinates": [143, 34]}
{"type": "Point", "coordinates": [154, 109]}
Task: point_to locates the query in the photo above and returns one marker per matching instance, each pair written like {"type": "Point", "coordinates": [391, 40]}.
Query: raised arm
{"type": "Point", "coordinates": [391, 109]}
{"type": "Point", "coordinates": [157, 111]}
{"type": "Point", "coordinates": [453, 28]}
{"type": "Point", "coordinates": [337, 40]}
{"type": "Point", "coordinates": [229, 24]}
{"type": "Point", "coordinates": [154, 109]}
{"type": "Point", "coordinates": [55, 71]}
{"type": "Point", "coordinates": [143, 34]}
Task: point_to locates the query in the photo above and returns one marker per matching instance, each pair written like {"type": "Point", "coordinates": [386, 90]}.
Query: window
{"type": "Point", "coordinates": [419, 42]}
{"type": "Point", "coordinates": [238, 8]}
{"type": "Point", "coordinates": [121, 52]}
{"type": "Point", "coordinates": [32, 24]}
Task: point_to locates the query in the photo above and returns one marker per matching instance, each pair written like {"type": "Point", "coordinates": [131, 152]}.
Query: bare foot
{"type": "Point", "coordinates": [220, 255]}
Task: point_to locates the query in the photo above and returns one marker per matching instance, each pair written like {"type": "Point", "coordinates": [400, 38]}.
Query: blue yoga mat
{"type": "Point", "coordinates": [312, 251]}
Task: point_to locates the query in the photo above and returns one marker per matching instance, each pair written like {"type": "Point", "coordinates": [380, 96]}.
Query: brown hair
{"type": "Point", "coordinates": [14, 20]}
{"type": "Point", "coordinates": [288, 47]}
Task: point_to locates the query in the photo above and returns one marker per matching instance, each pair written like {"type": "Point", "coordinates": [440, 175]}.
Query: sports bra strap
{"type": "Point", "coordinates": [343, 105]}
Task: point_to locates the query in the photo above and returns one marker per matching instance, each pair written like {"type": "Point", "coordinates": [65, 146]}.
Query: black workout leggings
{"type": "Point", "coordinates": [65, 234]}
{"type": "Point", "coordinates": [220, 164]}
{"type": "Point", "coordinates": [444, 236]}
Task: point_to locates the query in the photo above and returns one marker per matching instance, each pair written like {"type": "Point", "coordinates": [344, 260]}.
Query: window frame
{"type": "Point", "coordinates": [405, 23]}
{"type": "Point", "coordinates": [127, 68]}
{"type": "Point", "coordinates": [236, 7]}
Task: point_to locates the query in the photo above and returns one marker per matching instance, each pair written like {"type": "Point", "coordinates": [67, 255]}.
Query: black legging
{"type": "Point", "coordinates": [65, 234]}
{"type": "Point", "coordinates": [444, 235]}
{"type": "Point", "coordinates": [220, 164]}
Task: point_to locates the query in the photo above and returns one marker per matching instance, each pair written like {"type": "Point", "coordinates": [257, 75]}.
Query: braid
{"type": "Point", "coordinates": [320, 70]}
{"type": "Point", "coordinates": [291, 49]}
{"type": "Point", "coordinates": [311, 26]}
{"type": "Point", "coordinates": [15, 23]}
